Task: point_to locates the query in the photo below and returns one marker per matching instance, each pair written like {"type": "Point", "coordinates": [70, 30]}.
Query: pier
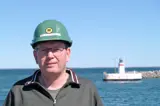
{"type": "Point", "coordinates": [150, 74]}
{"type": "Point", "coordinates": [145, 74]}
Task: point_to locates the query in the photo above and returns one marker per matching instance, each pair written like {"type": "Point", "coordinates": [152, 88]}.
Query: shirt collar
{"type": "Point", "coordinates": [72, 77]}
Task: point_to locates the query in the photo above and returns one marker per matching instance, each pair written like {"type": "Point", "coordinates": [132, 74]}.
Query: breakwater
{"type": "Point", "coordinates": [145, 74]}
{"type": "Point", "coordinates": [150, 74]}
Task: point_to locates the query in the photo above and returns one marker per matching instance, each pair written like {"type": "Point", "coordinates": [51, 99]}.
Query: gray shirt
{"type": "Point", "coordinates": [53, 93]}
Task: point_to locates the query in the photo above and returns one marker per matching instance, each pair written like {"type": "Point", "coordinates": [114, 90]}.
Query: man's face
{"type": "Point", "coordinates": [52, 56]}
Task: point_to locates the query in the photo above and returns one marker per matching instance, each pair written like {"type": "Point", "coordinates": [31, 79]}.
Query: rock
{"type": "Point", "coordinates": [151, 74]}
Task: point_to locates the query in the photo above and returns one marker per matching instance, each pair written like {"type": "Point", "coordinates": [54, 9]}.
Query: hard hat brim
{"type": "Point", "coordinates": [34, 43]}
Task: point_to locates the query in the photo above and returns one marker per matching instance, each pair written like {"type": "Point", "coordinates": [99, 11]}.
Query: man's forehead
{"type": "Point", "coordinates": [51, 43]}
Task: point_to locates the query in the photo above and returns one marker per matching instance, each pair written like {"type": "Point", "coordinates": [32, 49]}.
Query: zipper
{"type": "Point", "coordinates": [46, 92]}
{"type": "Point", "coordinates": [54, 102]}
{"type": "Point", "coordinates": [55, 99]}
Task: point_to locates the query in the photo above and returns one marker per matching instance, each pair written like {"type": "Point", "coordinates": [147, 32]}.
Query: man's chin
{"type": "Point", "coordinates": [52, 70]}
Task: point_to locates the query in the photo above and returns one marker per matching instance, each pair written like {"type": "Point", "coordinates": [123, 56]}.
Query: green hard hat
{"type": "Point", "coordinates": [50, 30]}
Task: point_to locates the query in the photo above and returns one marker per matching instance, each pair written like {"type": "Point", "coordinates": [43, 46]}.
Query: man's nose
{"type": "Point", "coordinates": [50, 54]}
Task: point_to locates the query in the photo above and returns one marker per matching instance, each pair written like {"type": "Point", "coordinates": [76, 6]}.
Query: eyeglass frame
{"type": "Point", "coordinates": [45, 51]}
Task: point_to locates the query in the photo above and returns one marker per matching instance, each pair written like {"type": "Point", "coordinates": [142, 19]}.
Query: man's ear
{"type": "Point", "coordinates": [35, 56]}
{"type": "Point", "coordinates": [68, 54]}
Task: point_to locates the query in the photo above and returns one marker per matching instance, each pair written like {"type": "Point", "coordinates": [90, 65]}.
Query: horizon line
{"type": "Point", "coordinates": [86, 67]}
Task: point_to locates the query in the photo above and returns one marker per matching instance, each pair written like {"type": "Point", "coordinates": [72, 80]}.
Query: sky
{"type": "Point", "coordinates": [102, 31]}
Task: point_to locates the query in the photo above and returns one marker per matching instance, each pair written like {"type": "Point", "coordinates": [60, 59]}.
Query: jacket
{"type": "Point", "coordinates": [76, 92]}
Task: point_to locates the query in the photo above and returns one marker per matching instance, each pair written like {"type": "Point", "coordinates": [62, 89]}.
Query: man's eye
{"type": "Point", "coordinates": [55, 50]}
{"type": "Point", "coordinates": [44, 50]}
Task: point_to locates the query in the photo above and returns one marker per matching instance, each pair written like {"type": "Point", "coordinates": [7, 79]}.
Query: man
{"type": "Point", "coordinates": [53, 84]}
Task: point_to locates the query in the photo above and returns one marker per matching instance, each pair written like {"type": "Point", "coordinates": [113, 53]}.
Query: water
{"type": "Point", "coordinates": [142, 93]}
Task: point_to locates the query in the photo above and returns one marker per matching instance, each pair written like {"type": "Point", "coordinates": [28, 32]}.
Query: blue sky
{"type": "Point", "coordinates": [102, 31]}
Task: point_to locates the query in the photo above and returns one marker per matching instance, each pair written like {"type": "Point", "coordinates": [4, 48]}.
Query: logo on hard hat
{"type": "Point", "coordinates": [49, 30]}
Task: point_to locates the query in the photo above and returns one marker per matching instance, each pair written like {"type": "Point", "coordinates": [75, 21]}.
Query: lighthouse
{"type": "Point", "coordinates": [122, 75]}
{"type": "Point", "coordinates": [121, 67]}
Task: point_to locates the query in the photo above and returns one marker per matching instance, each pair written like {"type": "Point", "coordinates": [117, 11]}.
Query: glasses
{"type": "Point", "coordinates": [55, 51]}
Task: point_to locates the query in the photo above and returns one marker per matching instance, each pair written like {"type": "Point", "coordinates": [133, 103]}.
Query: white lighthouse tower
{"type": "Point", "coordinates": [121, 67]}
